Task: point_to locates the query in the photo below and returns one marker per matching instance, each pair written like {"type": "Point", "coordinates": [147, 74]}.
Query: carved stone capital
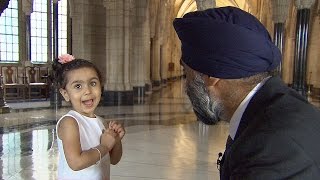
{"type": "Point", "coordinates": [104, 3]}
{"type": "Point", "coordinates": [205, 4]}
{"type": "Point", "coordinates": [108, 3]}
{"type": "Point", "coordinates": [71, 4]}
{"type": "Point", "coordinates": [139, 9]}
{"type": "Point", "coordinates": [27, 7]}
{"type": "Point", "coordinates": [304, 4]}
{"type": "Point", "coordinates": [55, 1]}
{"type": "Point", "coordinates": [318, 9]}
{"type": "Point", "coordinates": [280, 10]}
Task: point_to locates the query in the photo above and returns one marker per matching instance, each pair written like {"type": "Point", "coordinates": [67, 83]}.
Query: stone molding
{"type": "Point", "coordinates": [205, 4]}
{"type": "Point", "coordinates": [107, 3]}
{"type": "Point", "coordinates": [280, 10]}
{"type": "Point", "coordinates": [304, 4]}
{"type": "Point", "coordinates": [71, 4]}
{"type": "Point", "coordinates": [27, 7]}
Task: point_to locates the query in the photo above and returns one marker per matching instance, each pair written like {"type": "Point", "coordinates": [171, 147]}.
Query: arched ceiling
{"type": "Point", "coordinates": [184, 6]}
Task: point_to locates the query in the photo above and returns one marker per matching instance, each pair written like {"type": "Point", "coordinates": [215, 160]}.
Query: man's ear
{"type": "Point", "coordinates": [65, 95]}
{"type": "Point", "coordinates": [212, 81]}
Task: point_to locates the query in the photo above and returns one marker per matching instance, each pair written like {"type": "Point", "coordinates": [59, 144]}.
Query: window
{"type": "Point", "coordinates": [62, 27]}
{"type": "Point", "coordinates": [9, 36]}
{"type": "Point", "coordinates": [11, 147]}
{"type": "Point", "coordinates": [39, 32]}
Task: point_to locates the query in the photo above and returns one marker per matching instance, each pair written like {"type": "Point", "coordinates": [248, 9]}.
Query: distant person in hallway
{"type": "Point", "coordinates": [228, 57]}
{"type": "Point", "coordinates": [86, 147]}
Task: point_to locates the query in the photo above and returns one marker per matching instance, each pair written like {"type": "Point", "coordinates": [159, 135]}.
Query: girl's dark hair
{"type": "Point", "coordinates": [60, 70]}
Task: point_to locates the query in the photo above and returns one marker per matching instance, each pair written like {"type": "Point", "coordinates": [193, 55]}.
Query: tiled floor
{"type": "Point", "coordinates": [163, 140]}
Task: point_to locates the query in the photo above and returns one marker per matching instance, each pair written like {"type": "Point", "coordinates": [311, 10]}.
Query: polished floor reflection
{"type": "Point", "coordinates": [163, 140]}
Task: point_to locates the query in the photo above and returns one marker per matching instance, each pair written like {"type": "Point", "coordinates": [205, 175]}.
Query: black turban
{"type": "Point", "coordinates": [226, 43]}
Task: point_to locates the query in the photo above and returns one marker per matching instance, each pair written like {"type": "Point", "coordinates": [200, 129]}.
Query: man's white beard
{"type": "Point", "coordinates": [207, 109]}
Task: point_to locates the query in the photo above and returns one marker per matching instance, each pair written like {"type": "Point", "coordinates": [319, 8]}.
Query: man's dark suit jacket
{"type": "Point", "coordinates": [278, 137]}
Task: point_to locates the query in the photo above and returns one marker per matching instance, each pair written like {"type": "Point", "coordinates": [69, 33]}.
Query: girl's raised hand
{"type": "Point", "coordinates": [108, 138]}
{"type": "Point", "coordinates": [117, 128]}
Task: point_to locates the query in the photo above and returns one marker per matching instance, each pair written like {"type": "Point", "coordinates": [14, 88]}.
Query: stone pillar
{"type": "Point", "coordinates": [71, 4]}
{"type": "Point", "coordinates": [205, 4]}
{"type": "Point", "coordinates": [165, 49]}
{"type": "Point", "coordinates": [81, 37]}
{"type": "Point", "coordinates": [71, 12]}
{"type": "Point", "coordinates": [55, 96]}
{"type": "Point", "coordinates": [300, 59]}
{"type": "Point", "coordinates": [147, 50]}
{"type": "Point", "coordinates": [171, 65]}
{"type": "Point", "coordinates": [161, 37]}
{"type": "Point", "coordinates": [137, 53]}
{"type": "Point", "coordinates": [313, 50]}
{"type": "Point", "coordinates": [27, 8]}
{"type": "Point", "coordinates": [155, 27]}
{"type": "Point", "coordinates": [49, 35]}
{"type": "Point", "coordinates": [55, 29]}
{"type": "Point", "coordinates": [155, 63]}
{"type": "Point", "coordinates": [117, 89]}
{"type": "Point", "coordinates": [280, 13]}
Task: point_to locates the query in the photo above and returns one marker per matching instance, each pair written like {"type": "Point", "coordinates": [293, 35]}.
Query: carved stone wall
{"type": "Point", "coordinates": [313, 59]}
{"type": "Point", "coordinates": [205, 4]}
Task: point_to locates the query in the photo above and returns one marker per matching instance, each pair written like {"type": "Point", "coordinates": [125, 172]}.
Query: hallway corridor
{"type": "Point", "coordinates": [163, 139]}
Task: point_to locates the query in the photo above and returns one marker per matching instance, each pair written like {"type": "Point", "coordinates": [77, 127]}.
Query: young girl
{"type": "Point", "coordinates": [86, 147]}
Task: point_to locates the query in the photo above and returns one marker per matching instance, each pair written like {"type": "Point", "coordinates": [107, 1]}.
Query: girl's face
{"type": "Point", "coordinates": [83, 90]}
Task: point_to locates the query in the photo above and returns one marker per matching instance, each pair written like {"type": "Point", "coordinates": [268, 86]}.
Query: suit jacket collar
{"type": "Point", "coordinates": [260, 101]}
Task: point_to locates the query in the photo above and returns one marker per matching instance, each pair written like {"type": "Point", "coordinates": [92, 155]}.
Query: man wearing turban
{"type": "Point", "coordinates": [229, 59]}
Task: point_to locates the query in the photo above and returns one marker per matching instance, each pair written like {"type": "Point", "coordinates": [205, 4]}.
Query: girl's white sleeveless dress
{"type": "Point", "coordinates": [90, 130]}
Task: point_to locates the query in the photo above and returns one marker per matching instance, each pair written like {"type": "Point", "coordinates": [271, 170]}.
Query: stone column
{"type": "Point", "coordinates": [147, 50]}
{"type": "Point", "coordinates": [302, 31]}
{"type": "Point", "coordinates": [170, 45]}
{"type": "Point", "coordinates": [49, 35]}
{"type": "Point", "coordinates": [137, 53]}
{"type": "Point", "coordinates": [81, 38]}
{"type": "Point", "coordinates": [205, 4]}
{"type": "Point", "coordinates": [155, 63]}
{"type": "Point", "coordinates": [71, 4]}
{"type": "Point", "coordinates": [70, 22]}
{"type": "Point", "coordinates": [162, 34]}
{"type": "Point", "coordinates": [280, 13]}
{"type": "Point", "coordinates": [55, 29]}
{"type": "Point", "coordinates": [155, 26]}
{"type": "Point", "coordinates": [27, 8]}
{"type": "Point", "coordinates": [117, 89]}
{"type": "Point", "coordinates": [166, 47]}
{"type": "Point", "coordinates": [55, 97]}
{"type": "Point", "coordinates": [313, 51]}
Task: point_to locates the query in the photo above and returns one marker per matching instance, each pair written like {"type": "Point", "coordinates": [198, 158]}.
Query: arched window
{"type": "Point", "coordinates": [9, 36]}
